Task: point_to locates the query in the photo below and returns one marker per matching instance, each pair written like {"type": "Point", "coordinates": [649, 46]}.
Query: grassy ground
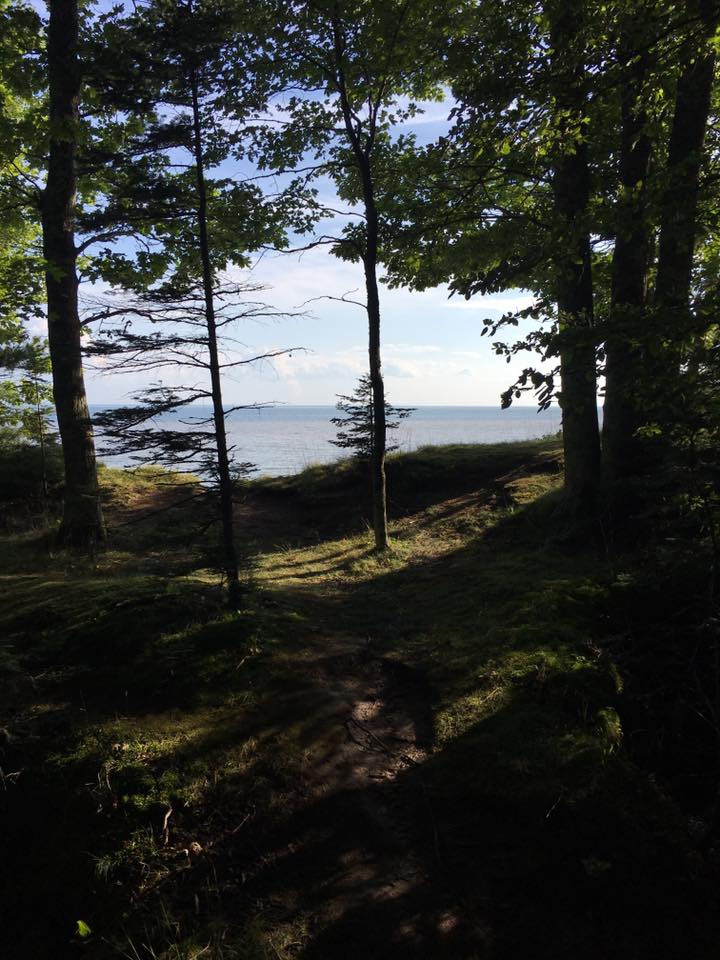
{"type": "Point", "coordinates": [178, 782]}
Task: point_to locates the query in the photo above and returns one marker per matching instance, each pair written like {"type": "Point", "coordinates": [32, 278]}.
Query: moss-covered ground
{"type": "Point", "coordinates": [169, 772]}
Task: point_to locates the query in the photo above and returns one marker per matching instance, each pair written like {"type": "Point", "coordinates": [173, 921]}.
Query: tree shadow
{"type": "Point", "coordinates": [523, 831]}
{"type": "Point", "coordinates": [335, 500]}
{"type": "Point", "coordinates": [450, 860]}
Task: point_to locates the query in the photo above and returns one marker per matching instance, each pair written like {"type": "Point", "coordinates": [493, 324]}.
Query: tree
{"type": "Point", "coordinates": [503, 200]}
{"type": "Point", "coordinates": [24, 390]}
{"type": "Point", "coordinates": [631, 258]}
{"type": "Point", "coordinates": [679, 205]}
{"type": "Point", "coordinates": [573, 285]}
{"type": "Point", "coordinates": [351, 69]}
{"type": "Point", "coordinates": [179, 345]}
{"type": "Point", "coordinates": [25, 433]}
{"type": "Point", "coordinates": [554, 179]}
{"type": "Point", "coordinates": [190, 58]}
{"type": "Point", "coordinates": [82, 523]}
{"type": "Point", "coordinates": [357, 425]}
{"type": "Point", "coordinates": [58, 123]}
{"type": "Point", "coordinates": [25, 395]}
{"type": "Point", "coordinates": [647, 330]}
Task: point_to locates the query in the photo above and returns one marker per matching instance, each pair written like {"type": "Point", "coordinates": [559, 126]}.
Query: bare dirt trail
{"type": "Point", "coordinates": [361, 846]}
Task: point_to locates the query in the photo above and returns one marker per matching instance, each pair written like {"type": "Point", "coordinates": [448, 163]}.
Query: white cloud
{"type": "Point", "coordinates": [313, 366]}
{"type": "Point", "coordinates": [504, 304]}
{"type": "Point", "coordinates": [398, 371]}
{"type": "Point", "coordinates": [412, 348]}
{"type": "Point", "coordinates": [293, 279]}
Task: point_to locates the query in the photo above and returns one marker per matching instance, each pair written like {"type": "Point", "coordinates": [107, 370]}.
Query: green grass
{"type": "Point", "coordinates": [129, 691]}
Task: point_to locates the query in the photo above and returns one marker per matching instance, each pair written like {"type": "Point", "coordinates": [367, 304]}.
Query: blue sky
{"type": "Point", "coordinates": [431, 345]}
{"type": "Point", "coordinates": [432, 349]}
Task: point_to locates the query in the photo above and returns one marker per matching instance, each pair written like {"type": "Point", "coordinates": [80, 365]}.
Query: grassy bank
{"type": "Point", "coordinates": [179, 779]}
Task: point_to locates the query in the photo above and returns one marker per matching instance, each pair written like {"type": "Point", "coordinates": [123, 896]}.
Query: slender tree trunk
{"type": "Point", "coordinates": [362, 153]}
{"type": "Point", "coordinates": [377, 461]}
{"type": "Point", "coordinates": [678, 224]}
{"type": "Point", "coordinates": [623, 356]}
{"type": "Point", "coordinates": [223, 460]}
{"type": "Point", "coordinates": [574, 290]}
{"type": "Point", "coordinates": [82, 523]}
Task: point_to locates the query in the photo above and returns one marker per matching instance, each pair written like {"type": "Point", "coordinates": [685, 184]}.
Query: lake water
{"type": "Point", "coordinates": [286, 439]}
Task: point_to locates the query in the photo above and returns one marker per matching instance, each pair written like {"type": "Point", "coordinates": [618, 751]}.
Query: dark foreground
{"type": "Point", "coordinates": [499, 742]}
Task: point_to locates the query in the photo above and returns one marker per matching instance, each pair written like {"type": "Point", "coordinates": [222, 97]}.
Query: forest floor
{"type": "Point", "coordinates": [429, 754]}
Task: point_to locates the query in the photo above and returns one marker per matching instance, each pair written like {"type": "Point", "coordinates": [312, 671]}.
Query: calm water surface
{"type": "Point", "coordinates": [285, 439]}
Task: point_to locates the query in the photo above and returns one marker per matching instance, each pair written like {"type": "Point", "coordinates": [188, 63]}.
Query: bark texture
{"type": "Point", "coordinates": [82, 523]}
{"type": "Point", "coordinates": [631, 256]}
{"type": "Point", "coordinates": [678, 225]}
{"type": "Point", "coordinates": [574, 291]}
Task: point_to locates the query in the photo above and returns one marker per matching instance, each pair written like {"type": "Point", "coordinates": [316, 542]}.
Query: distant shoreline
{"type": "Point", "coordinates": [275, 405]}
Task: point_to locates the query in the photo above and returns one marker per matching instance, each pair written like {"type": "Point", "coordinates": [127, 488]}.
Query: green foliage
{"type": "Point", "coordinates": [25, 393]}
{"type": "Point", "coordinates": [356, 431]}
{"type": "Point", "coordinates": [475, 208]}
{"type": "Point", "coordinates": [152, 199]}
{"type": "Point", "coordinates": [25, 470]}
{"type": "Point", "coordinates": [30, 459]}
{"type": "Point", "coordinates": [355, 73]}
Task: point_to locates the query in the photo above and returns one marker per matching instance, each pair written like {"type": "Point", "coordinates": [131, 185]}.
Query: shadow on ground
{"type": "Point", "coordinates": [424, 760]}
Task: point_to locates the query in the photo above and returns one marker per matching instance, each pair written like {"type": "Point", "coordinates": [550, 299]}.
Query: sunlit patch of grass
{"type": "Point", "coordinates": [145, 766]}
{"type": "Point", "coordinates": [501, 629]}
{"type": "Point", "coordinates": [136, 481]}
{"type": "Point", "coordinates": [322, 563]}
{"type": "Point", "coordinates": [287, 940]}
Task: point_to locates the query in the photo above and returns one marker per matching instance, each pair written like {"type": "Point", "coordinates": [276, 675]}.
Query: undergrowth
{"type": "Point", "coordinates": [154, 748]}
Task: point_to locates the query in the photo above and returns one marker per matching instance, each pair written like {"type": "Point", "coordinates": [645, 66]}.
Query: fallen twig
{"type": "Point", "coordinates": [165, 828]}
{"type": "Point", "coordinates": [12, 777]}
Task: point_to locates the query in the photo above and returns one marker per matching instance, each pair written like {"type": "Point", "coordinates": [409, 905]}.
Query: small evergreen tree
{"type": "Point", "coordinates": [25, 393]}
{"type": "Point", "coordinates": [357, 425]}
{"type": "Point", "coordinates": [26, 436]}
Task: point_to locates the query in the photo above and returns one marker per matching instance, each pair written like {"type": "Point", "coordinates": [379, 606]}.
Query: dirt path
{"type": "Point", "coordinates": [358, 857]}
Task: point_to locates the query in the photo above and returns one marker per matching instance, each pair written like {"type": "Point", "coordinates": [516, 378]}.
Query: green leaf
{"type": "Point", "coordinates": [83, 930]}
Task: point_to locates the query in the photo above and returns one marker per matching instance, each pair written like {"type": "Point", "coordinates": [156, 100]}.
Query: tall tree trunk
{"type": "Point", "coordinates": [574, 290]}
{"type": "Point", "coordinates": [362, 153]}
{"type": "Point", "coordinates": [82, 523]}
{"type": "Point", "coordinates": [223, 460]}
{"type": "Point", "coordinates": [633, 235]}
{"type": "Point", "coordinates": [678, 224]}
{"type": "Point", "coordinates": [377, 461]}
{"type": "Point", "coordinates": [672, 317]}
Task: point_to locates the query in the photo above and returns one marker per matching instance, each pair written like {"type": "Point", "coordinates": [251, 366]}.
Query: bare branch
{"type": "Point", "coordinates": [343, 299]}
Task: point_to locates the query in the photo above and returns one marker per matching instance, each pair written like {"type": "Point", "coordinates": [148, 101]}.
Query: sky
{"type": "Point", "coordinates": [432, 349]}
